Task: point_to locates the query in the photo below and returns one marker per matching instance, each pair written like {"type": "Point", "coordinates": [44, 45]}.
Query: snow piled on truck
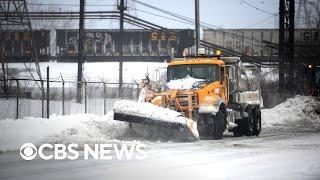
{"type": "Point", "coordinates": [298, 114]}
{"type": "Point", "coordinates": [185, 83]}
{"type": "Point", "coordinates": [148, 110]}
{"type": "Point", "coordinates": [158, 117]}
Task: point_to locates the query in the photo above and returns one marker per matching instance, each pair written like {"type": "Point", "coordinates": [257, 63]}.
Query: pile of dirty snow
{"type": "Point", "coordinates": [184, 83]}
{"type": "Point", "coordinates": [80, 129]}
{"type": "Point", "coordinates": [298, 113]}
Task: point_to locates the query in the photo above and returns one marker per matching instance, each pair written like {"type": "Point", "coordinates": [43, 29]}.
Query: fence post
{"type": "Point", "coordinates": [6, 88]}
{"type": "Point", "coordinates": [48, 93]}
{"type": "Point", "coordinates": [42, 99]}
{"type": "Point", "coordinates": [18, 92]}
{"type": "Point", "coordinates": [63, 96]}
{"type": "Point", "coordinates": [138, 92]}
{"type": "Point", "coordinates": [85, 97]}
{"type": "Point", "coordinates": [104, 98]}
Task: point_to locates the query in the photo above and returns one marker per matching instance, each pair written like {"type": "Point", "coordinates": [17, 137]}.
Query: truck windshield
{"type": "Point", "coordinates": [208, 72]}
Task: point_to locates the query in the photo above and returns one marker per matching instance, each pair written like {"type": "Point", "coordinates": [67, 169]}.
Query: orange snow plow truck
{"type": "Point", "coordinates": [213, 94]}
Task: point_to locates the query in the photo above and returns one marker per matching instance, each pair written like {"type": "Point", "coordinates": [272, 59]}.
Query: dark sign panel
{"type": "Point", "coordinates": [317, 76]}
{"type": "Point", "coordinates": [17, 46]}
{"type": "Point", "coordinates": [138, 45]}
{"type": "Point", "coordinates": [249, 41]}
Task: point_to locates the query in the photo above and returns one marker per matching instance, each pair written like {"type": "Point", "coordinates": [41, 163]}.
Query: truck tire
{"type": "Point", "coordinates": [219, 123]}
{"type": "Point", "coordinates": [249, 121]}
{"type": "Point", "coordinates": [257, 121]}
{"type": "Point", "coordinates": [238, 131]}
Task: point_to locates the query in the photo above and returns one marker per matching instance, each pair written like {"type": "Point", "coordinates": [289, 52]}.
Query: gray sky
{"type": "Point", "coordinates": [225, 14]}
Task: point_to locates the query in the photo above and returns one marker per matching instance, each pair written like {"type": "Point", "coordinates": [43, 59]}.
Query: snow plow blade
{"type": "Point", "coordinates": [149, 114]}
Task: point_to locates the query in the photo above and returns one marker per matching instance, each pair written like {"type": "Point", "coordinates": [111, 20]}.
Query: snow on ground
{"type": "Point", "coordinates": [106, 70]}
{"type": "Point", "coordinates": [184, 83]}
{"type": "Point", "coordinates": [297, 113]}
{"type": "Point", "coordinates": [32, 107]}
{"type": "Point", "coordinates": [79, 128]}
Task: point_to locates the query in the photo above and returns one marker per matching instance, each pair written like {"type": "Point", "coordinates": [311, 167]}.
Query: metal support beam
{"type": "Point", "coordinates": [14, 15]}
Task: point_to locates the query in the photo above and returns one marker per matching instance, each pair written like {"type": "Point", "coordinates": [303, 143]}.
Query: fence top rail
{"type": "Point", "coordinates": [60, 81]}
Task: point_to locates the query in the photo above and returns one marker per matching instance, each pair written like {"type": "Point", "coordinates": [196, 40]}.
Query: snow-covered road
{"type": "Point", "coordinates": [270, 156]}
{"type": "Point", "coordinates": [287, 148]}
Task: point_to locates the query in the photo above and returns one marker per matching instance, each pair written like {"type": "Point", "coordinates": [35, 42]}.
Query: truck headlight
{"type": "Point", "coordinates": [209, 100]}
{"type": "Point", "coordinates": [216, 90]}
{"type": "Point", "coordinates": [211, 105]}
{"type": "Point", "coordinates": [199, 85]}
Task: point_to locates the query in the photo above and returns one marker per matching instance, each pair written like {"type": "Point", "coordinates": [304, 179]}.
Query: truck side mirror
{"type": "Point", "coordinates": [222, 74]}
{"type": "Point", "coordinates": [231, 70]}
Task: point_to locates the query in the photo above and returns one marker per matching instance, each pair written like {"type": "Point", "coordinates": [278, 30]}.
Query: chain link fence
{"type": "Point", "coordinates": [25, 97]}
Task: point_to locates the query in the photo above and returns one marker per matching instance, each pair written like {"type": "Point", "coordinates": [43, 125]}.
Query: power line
{"type": "Point", "coordinates": [202, 24]}
{"type": "Point", "coordinates": [73, 5]}
{"type": "Point", "coordinates": [166, 17]}
{"type": "Point", "coordinates": [259, 22]}
{"type": "Point", "coordinates": [247, 3]}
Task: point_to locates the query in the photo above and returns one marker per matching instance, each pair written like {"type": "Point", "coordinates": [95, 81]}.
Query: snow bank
{"type": "Point", "coordinates": [80, 128]}
{"type": "Point", "coordinates": [185, 83]}
{"type": "Point", "coordinates": [297, 113]}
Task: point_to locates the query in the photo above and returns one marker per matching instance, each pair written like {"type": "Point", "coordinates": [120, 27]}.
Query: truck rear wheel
{"type": "Point", "coordinates": [245, 125]}
{"type": "Point", "coordinates": [248, 121]}
{"type": "Point", "coordinates": [219, 123]}
{"type": "Point", "coordinates": [238, 131]}
{"type": "Point", "coordinates": [257, 121]}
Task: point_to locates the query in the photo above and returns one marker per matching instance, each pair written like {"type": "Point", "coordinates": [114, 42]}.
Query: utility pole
{"type": "Point", "coordinates": [197, 27]}
{"type": "Point", "coordinates": [121, 8]}
{"type": "Point", "coordinates": [80, 52]}
{"type": "Point", "coordinates": [281, 44]}
{"type": "Point", "coordinates": [293, 67]}
{"type": "Point", "coordinates": [286, 44]}
{"type": "Point", "coordinates": [3, 68]}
